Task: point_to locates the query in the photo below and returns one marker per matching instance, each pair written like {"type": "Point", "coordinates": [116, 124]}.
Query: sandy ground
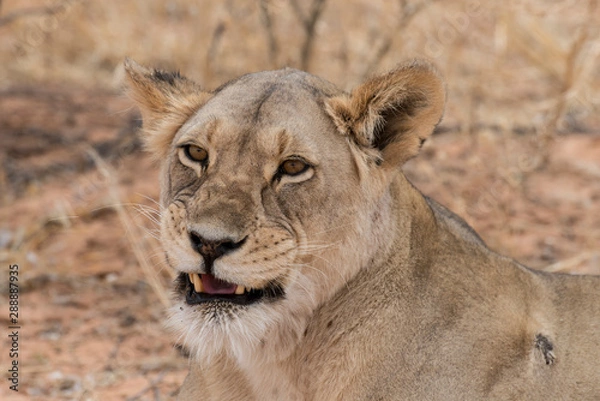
{"type": "Point", "coordinates": [91, 323]}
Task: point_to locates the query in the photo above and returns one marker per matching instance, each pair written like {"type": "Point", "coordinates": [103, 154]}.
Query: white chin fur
{"type": "Point", "coordinates": [273, 327]}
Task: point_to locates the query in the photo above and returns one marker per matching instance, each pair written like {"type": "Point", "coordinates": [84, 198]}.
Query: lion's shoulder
{"type": "Point", "coordinates": [455, 223]}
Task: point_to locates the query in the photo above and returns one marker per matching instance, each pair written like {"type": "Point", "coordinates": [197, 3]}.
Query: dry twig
{"type": "Point", "coordinates": [213, 49]}
{"type": "Point", "coordinates": [570, 74]}
{"type": "Point", "coordinates": [542, 48]}
{"type": "Point", "coordinates": [268, 24]}
{"type": "Point", "coordinates": [408, 12]}
{"type": "Point", "coordinates": [309, 23]}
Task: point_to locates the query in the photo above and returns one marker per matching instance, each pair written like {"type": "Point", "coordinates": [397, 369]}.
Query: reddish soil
{"type": "Point", "coordinates": [91, 324]}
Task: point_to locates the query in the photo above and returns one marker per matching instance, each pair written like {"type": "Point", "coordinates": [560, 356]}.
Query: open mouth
{"type": "Point", "coordinates": [202, 288]}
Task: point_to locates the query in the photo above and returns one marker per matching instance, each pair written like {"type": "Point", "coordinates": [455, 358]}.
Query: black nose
{"type": "Point", "coordinates": [211, 249]}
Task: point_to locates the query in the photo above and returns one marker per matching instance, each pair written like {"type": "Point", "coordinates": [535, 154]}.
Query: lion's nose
{"type": "Point", "coordinates": [211, 249]}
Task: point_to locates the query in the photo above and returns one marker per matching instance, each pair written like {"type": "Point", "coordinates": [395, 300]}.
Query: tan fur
{"type": "Point", "coordinates": [165, 105]}
{"type": "Point", "coordinates": [388, 295]}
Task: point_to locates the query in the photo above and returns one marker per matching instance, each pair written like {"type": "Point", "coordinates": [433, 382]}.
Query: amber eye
{"type": "Point", "coordinates": [196, 153]}
{"type": "Point", "coordinates": [293, 167]}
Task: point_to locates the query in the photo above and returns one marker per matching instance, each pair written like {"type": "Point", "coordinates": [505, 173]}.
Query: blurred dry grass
{"type": "Point", "coordinates": [520, 74]}
{"type": "Point", "coordinates": [543, 54]}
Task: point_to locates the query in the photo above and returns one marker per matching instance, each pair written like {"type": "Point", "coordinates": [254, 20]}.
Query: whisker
{"type": "Point", "coordinates": [149, 198]}
{"type": "Point", "coordinates": [307, 292]}
{"type": "Point", "coordinates": [149, 216]}
{"type": "Point", "coordinates": [330, 264]}
{"type": "Point", "coordinates": [148, 211]}
{"type": "Point", "coordinates": [306, 266]}
{"type": "Point", "coordinates": [310, 248]}
{"type": "Point", "coordinates": [149, 232]}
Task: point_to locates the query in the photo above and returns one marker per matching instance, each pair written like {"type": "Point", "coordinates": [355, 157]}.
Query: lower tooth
{"type": "Point", "coordinates": [239, 290]}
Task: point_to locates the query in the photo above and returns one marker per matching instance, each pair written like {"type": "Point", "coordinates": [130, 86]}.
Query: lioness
{"type": "Point", "coordinates": [311, 269]}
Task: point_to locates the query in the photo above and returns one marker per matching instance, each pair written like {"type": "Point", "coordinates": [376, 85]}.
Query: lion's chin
{"type": "Point", "coordinates": [268, 326]}
{"type": "Point", "coordinates": [205, 288]}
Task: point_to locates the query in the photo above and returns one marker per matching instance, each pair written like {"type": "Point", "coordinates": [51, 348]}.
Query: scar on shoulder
{"type": "Point", "coordinates": [545, 346]}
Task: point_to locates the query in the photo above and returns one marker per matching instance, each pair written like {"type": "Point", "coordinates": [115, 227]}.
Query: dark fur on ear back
{"type": "Point", "coordinates": [169, 77]}
{"type": "Point", "coordinates": [393, 113]}
{"type": "Point", "coordinates": [166, 100]}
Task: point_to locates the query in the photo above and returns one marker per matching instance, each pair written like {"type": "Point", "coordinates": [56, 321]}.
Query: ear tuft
{"type": "Point", "coordinates": [166, 100]}
{"type": "Point", "coordinates": [393, 113]}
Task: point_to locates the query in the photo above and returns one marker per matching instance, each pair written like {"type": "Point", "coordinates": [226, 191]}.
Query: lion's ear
{"type": "Point", "coordinates": [166, 100]}
{"type": "Point", "coordinates": [394, 112]}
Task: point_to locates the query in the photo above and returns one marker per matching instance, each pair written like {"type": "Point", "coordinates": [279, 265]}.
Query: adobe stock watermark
{"type": "Point", "coordinates": [453, 25]}
{"type": "Point", "coordinates": [507, 180]}
{"type": "Point", "coordinates": [14, 326]}
{"type": "Point", "coordinates": [527, 161]}
{"type": "Point", "coordinates": [36, 33]}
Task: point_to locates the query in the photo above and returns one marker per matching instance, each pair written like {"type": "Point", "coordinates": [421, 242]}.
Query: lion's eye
{"type": "Point", "coordinates": [293, 167]}
{"type": "Point", "coordinates": [196, 153]}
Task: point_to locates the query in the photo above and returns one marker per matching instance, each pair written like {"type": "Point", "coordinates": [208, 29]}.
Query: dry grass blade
{"type": "Point", "coordinates": [133, 236]}
{"type": "Point", "coordinates": [534, 42]}
{"type": "Point", "coordinates": [571, 263]}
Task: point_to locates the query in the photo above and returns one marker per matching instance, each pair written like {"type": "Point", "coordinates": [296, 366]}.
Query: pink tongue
{"type": "Point", "coordinates": [213, 285]}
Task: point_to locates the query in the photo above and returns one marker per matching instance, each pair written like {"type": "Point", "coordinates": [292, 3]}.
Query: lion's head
{"type": "Point", "coordinates": [275, 192]}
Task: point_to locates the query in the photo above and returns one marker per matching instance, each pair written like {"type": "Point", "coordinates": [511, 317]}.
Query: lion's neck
{"type": "Point", "coordinates": [416, 231]}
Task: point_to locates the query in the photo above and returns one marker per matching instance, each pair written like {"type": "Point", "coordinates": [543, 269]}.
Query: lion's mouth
{"type": "Point", "coordinates": [203, 288]}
